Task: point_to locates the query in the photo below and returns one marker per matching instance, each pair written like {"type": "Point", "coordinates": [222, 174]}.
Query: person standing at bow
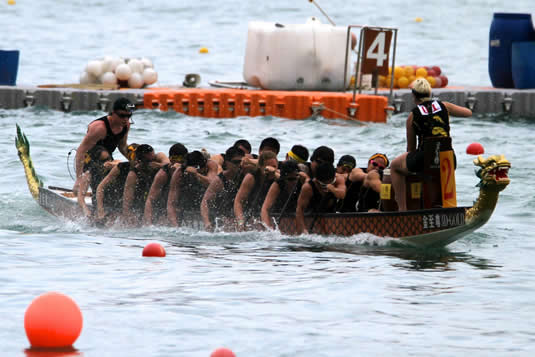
{"type": "Point", "coordinates": [430, 118]}
{"type": "Point", "coordinates": [109, 131]}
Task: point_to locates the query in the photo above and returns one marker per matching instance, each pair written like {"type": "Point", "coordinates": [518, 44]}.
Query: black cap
{"type": "Point", "coordinates": [123, 104]}
{"type": "Point", "coordinates": [347, 160]}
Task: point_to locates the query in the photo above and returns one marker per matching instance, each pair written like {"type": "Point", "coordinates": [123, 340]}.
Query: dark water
{"type": "Point", "coordinates": [261, 294]}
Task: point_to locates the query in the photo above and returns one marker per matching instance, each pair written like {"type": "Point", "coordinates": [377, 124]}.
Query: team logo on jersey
{"type": "Point", "coordinates": [435, 107]}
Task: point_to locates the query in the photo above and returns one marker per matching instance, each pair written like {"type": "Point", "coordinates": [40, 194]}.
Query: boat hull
{"type": "Point", "coordinates": [436, 227]}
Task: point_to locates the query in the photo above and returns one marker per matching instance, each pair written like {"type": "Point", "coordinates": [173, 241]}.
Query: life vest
{"type": "Point", "coordinates": [430, 119]}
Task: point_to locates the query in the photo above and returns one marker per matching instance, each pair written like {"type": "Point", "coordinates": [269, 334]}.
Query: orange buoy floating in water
{"type": "Point", "coordinates": [475, 149]}
{"type": "Point", "coordinates": [153, 250]}
{"type": "Point", "coordinates": [53, 320]}
{"type": "Point", "coordinates": [223, 352]}
{"type": "Point", "coordinates": [203, 50]}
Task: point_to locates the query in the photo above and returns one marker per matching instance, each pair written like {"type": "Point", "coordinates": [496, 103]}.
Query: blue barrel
{"type": "Point", "coordinates": [504, 30]}
{"type": "Point", "coordinates": [523, 64]}
{"type": "Point", "coordinates": [9, 66]}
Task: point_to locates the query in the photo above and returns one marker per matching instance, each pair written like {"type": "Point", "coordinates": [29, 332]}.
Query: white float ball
{"type": "Point", "coordinates": [94, 68]}
{"type": "Point", "coordinates": [136, 65]}
{"type": "Point", "coordinates": [115, 62]}
{"type": "Point", "coordinates": [150, 76]}
{"type": "Point", "coordinates": [87, 78]}
{"type": "Point", "coordinates": [147, 63]}
{"type": "Point", "coordinates": [123, 72]}
{"type": "Point", "coordinates": [107, 63]}
{"type": "Point", "coordinates": [135, 81]}
{"type": "Point", "coordinates": [108, 78]}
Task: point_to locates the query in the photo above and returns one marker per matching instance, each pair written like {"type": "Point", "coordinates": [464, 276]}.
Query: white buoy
{"type": "Point", "coordinates": [107, 63]}
{"type": "Point", "coordinates": [115, 62]}
{"type": "Point", "coordinates": [135, 80]}
{"type": "Point", "coordinates": [94, 68]}
{"type": "Point", "coordinates": [123, 72]}
{"type": "Point", "coordinates": [150, 76]}
{"type": "Point", "coordinates": [136, 65]}
{"type": "Point", "coordinates": [108, 78]}
{"type": "Point", "coordinates": [147, 63]}
{"type": "Point", "coordinates": [87, 78]}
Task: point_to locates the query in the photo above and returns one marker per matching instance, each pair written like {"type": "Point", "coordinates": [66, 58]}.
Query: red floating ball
{"type": "Point", "coordinates": [153, 250]}
{"type": "Point", "coordinates": [222, 352]}
{"type": "Point", "coordinates": [52, 320]}
{"type": "Point", "coordinates": [475, 149]}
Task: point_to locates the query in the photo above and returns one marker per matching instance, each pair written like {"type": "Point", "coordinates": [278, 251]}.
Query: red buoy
{"type": "Point", "coordinates": [153, 250]}
{"type": "Point", "coordinates": [222, 352]}
{"type": "Point", "coordinates": [475, 149]}
{"type": "Point", "coordinates": [52, 320]}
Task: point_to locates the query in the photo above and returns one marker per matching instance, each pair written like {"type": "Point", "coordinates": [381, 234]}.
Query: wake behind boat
{"type": "Point", "coordinates": [434, 227]}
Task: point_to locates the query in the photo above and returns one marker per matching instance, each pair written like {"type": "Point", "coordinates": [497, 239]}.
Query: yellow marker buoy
{"type": "Point", "coordinates": [203, 50]}
{"type": "Point", "coordinates": [11, 2]}
{"type": "Point", "coordinates": [418, 19]}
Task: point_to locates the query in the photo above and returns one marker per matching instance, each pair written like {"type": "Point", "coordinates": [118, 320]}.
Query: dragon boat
{"type": "Point", "coordinates": [434, 227]}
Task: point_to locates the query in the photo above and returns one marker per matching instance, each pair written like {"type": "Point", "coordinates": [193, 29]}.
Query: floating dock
{"type": "Point", "coordinates": [228, 103]}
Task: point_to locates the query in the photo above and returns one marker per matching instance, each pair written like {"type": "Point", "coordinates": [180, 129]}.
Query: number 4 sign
{"type": "Point", "coordinates": [375, 51]}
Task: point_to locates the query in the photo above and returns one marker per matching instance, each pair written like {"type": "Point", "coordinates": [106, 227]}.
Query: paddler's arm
{"type": "Point", "coordinates": [160, 161]}
{"type": "Point", "coordinates": [373, 180]}
{"type": "Point", "coordinates": [271, 197]}
{"type": "Point", "coordinates": [128, 196]}
{"type": "Point", "coordinates": [110, 177]}
{"type": "Point", "coordinates": [411, 135]}
{"type": "Point", "coordinates": [210, 175]}
{"type": "Point", "coordinates": [215, 186]}
{"type": "Point", "coordinates": [95, 132]}
{"type": "Point", "coordinates": [357, 175]}
{"type": "Point", "coordinates": [302, 203]}
{"type": "Point", "coordinates": [155, 190]}
{"type": "Point", "coordinates": [458, 111]}
{"type": "Point", "coordinates": [338, 189]}
{"type": "Point", "coordinates": [173, 197]}
{"type": "Point", "coordinates": [243, 192]}
{"type": "Point", "coordinates": [82, 189]}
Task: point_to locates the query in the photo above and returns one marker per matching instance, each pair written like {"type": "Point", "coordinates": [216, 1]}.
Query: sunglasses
{"type": "Point", "coordinates": [376, 164]}
{"type": "Point", "coordinates": [123, 115]}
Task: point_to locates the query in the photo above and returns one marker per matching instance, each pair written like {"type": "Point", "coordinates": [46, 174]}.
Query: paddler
{"type": "Point", "coordinates": [109, 131]}
{"type": "Point", "coordinates": [430, 118]}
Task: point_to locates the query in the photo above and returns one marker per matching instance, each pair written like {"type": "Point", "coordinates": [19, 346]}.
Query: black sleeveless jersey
{"type": "Point", "coordinates": [286, 201]}
{"type": "Point", "coordinates": [113, 193]}
{"type": "Point", "coordinates": [431, 118]}
{"type": "Point", "coordinates": [319, 203]}
{"type": "Point", "coordinates": [349, 203]}
{"type": "Point", "coordinates": [111, 141]}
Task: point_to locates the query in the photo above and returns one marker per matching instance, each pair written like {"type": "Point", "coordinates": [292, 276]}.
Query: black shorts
{"type": "Point", "coordinates": [415, 161]}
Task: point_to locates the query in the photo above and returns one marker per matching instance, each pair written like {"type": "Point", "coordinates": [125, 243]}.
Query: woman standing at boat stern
{"type": "Point", "coordinates": [429, 119]}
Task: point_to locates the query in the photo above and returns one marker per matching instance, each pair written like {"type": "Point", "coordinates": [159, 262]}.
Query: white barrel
{"type": "Point", "coordinates": [296, 57]}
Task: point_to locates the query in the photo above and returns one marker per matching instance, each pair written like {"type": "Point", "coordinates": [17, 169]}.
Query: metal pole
{"type": "Point", "coordinates": [323, 12]}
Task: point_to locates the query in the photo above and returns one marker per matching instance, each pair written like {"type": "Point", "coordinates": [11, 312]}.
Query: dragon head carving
{"type": "Point", "coordinates": [493, 172]}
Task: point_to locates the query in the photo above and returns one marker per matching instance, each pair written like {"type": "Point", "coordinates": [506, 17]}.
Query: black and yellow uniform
{"type": "Point", "coordinates": [429, 119]}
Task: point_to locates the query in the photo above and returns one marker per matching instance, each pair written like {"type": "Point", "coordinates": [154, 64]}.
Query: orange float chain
{"type": "Point", "coordinates": [230, 103]}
